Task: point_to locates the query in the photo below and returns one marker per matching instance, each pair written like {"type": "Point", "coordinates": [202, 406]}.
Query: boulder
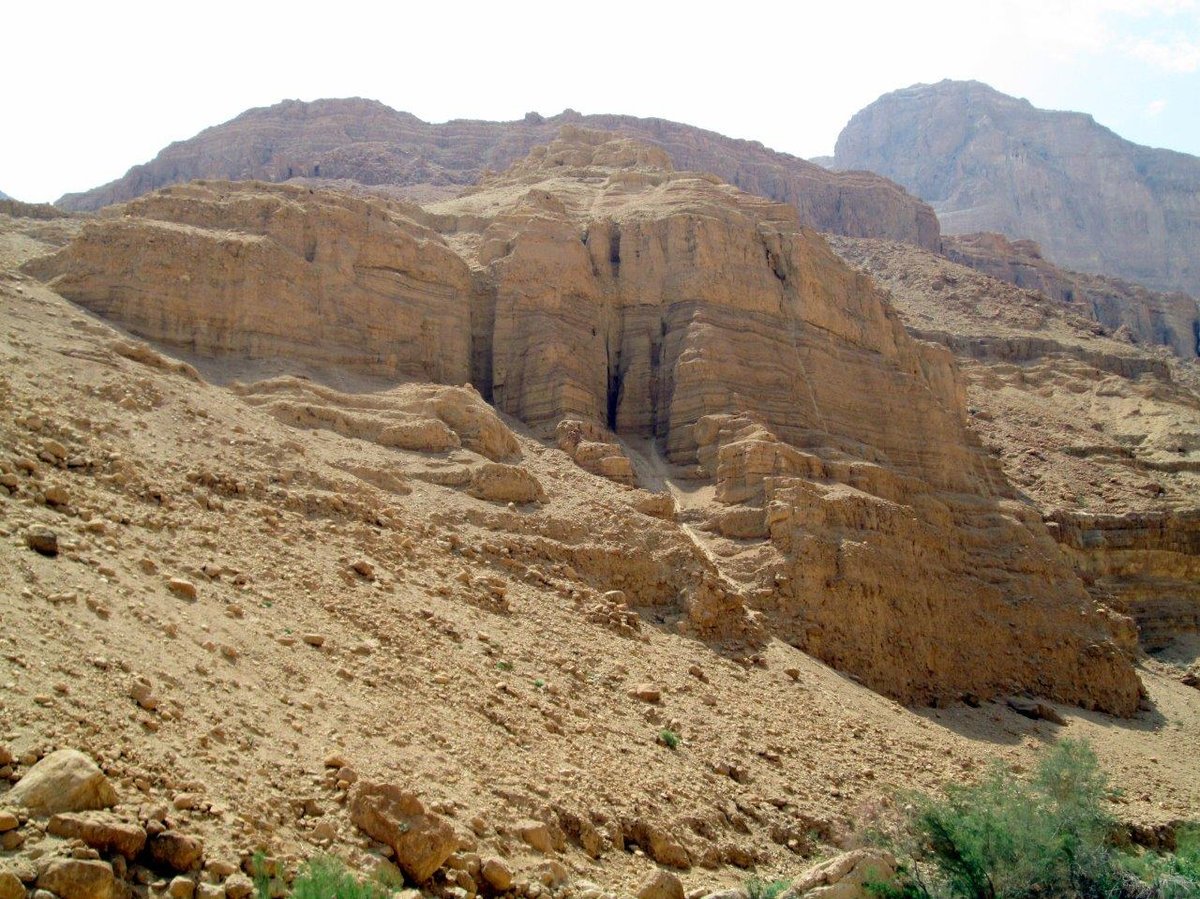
{"type": "Point", "coordinates": [1038, 711]}
{"type": "Point", "coordinates": [844, 876]}
{"type": "Point", "coordinates": [64, 781]}
{"type": "Point", "coordinates": [102, 832]}
{"type": "Point", "coordinates": [11, 886]}
{"type": "Point", "coordinates": [497, 874]}
{"type": "Point", "coordinates": [660, 884]}
{"type": "Point", "coordinates": [43, 541]}
{"type": "Point", "coordinates": [174, 851]}
{"type": "Point", "coordinates": [73, 878]}
{"type": "Point", "coordinates": [421, 839]}
{"type": "Point", "coordinates": [502, 483]}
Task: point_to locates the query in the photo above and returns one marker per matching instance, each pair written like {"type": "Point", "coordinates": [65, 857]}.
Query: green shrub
{"type": "Point", "coordinates": [671, 740]}
{"type": "Point", "coordinates": [1048, 836]}
{"type": "Point", "coordinates": [765, 889]}
{"type": "Point", "coordinates": [325, 877]}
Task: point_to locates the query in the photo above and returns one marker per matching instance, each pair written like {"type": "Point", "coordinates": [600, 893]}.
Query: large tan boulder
{"type": "Point", "coordinates": [421, 839]}
{"type": "Point", "coordinates": [844, 876]}
{"type": "Point", "coordinates": [174, 851]}
{"type": "Point", "coordinates": [502, 483]}
{"type": "Point", "coordinates": [11, 886]}
{"type": "Point", "coordinates": [660, 884]}
{"type": "Point", "coordinates": [73, 878]}
{"type": "Point", "coordinates": [64, 781]}
{"type": "Point", "coordinates": [102, 832]}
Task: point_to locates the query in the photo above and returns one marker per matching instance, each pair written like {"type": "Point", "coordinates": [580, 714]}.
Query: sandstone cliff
{"type": "Point", "coordinates": [1100, 430]}
{"type": "Point", "coordinates": [852, 511]}
{"type": "Point", "coordinates": [988, 162]}
{"type": "Point", "coordinates": [365, 142]}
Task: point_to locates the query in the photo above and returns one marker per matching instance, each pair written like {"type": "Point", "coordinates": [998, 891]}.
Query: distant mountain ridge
{"type": "Point", "coordinates": [370, 143]}
{"type": "Point", "coordinates": [985, 161]}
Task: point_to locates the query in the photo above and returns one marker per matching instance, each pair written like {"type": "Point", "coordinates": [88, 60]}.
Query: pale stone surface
{"type": "Point", "coordinates": [79, 879]}
{"type": "Point", "coordinates": [421, 839]}
{"type": "Point", "coordinates": [64, 781]}
{"type": "Point", "coordinates": [844, 876]}
{"type": "Point", "coordinates": [660, 884]}
{"type": "Point", "coordinates": [102, 832]}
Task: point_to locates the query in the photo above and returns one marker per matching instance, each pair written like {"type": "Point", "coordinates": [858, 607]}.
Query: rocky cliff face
{"type": "Point", "coordinates": [1128, 310]}
{"type": "Point", "coordinates": [1101, 430]}
{"type": "Point", "coordinates": [988, 162]}
{"type": "Point", "coordinates": [365, 142]}
{"type": "Point", "coordinates": [851, 510]}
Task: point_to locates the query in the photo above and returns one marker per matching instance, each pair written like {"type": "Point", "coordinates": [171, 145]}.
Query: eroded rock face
{"type": "Point", "coordinates": [330, 280]}
{"type": "Point", "coordinates": [990, 162]}
{"type": "Point", "coordinates": [421, 839]}
{"type": "Point", "coordinates": [593, 283]}
{"type": "Point", "coordinates": [365, 142]}
{"type": "Point", "coordinates": [1143, 316]}
{"type": "Point", "coordinates": [1100, 429]}
{"type": "Point", "coordinates": [1145, 563]}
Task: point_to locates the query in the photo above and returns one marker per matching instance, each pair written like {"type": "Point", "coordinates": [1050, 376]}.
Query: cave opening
{"type": "Point", "coordinates": [614, 390]}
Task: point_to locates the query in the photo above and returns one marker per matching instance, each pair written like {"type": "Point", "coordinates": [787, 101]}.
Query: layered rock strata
{"type": "Point", "coordinates": [1101, 429]}
{"type": "Point", "coordinates": [1128, 310]}
{"type": "Point", "coordinates": [593, 283]}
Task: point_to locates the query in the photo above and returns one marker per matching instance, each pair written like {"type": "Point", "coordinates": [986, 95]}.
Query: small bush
{"type": "Point", "coordinates": [325, 877]}
{"type": "Point", "coordinates": [1007, 838]}
{"type": "Point", "coordinates": [671, 740]}
{"type": "Point", "coordinates": [765, 889]}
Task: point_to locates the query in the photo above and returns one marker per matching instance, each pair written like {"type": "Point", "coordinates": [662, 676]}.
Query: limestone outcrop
{"type": "Point", "coordinates": [1099, 427]}
{"type": "Point", "coordinates": [862, 519]}
{"type": "Point", "coordinates": [365, 142]}
{"type": "Point", "coordinates": [313, 277]}
{"type": "Point", "coordinates": [1144, 563]}
{"type": "Point", "coordinates": [989, 162]}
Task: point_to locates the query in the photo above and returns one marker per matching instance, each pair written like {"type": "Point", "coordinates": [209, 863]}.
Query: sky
{"type": "Point", "coordinates": [91, 89]}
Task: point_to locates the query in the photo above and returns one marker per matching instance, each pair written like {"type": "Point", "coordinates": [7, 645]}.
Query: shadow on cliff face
{"type": "Point", "coordinates": [995, 722]}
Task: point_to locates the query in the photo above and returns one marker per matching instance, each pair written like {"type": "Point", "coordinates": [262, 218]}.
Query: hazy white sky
{"type": "Point", "coordinates": [93, 88]}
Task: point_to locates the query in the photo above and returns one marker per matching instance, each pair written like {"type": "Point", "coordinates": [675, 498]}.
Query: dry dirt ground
{"type": "Point", "coordinates": [486, 682]}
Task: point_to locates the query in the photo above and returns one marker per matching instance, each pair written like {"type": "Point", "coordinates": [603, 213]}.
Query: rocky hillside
{"type": "Point", "coordinates": [989, 162]}
{"type": "Point", "coordinates": [591, 283]}
{"type": "Point", "coordinates": [365, 142]}
{"type": "Point", "coordinates": [275, 593]}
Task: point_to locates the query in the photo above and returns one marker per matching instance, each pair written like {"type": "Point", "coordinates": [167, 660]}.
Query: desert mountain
{"type": "Point", "coordinates": [368, 143]}
{"type": "Point", "coordinates": [593, 283]}
{"type": "Point", "coordinates": [4, 196]}
{"type": "Point", "coordinates": [989, 162]}
{"type": "Point", "coordinates": [531, 514]}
